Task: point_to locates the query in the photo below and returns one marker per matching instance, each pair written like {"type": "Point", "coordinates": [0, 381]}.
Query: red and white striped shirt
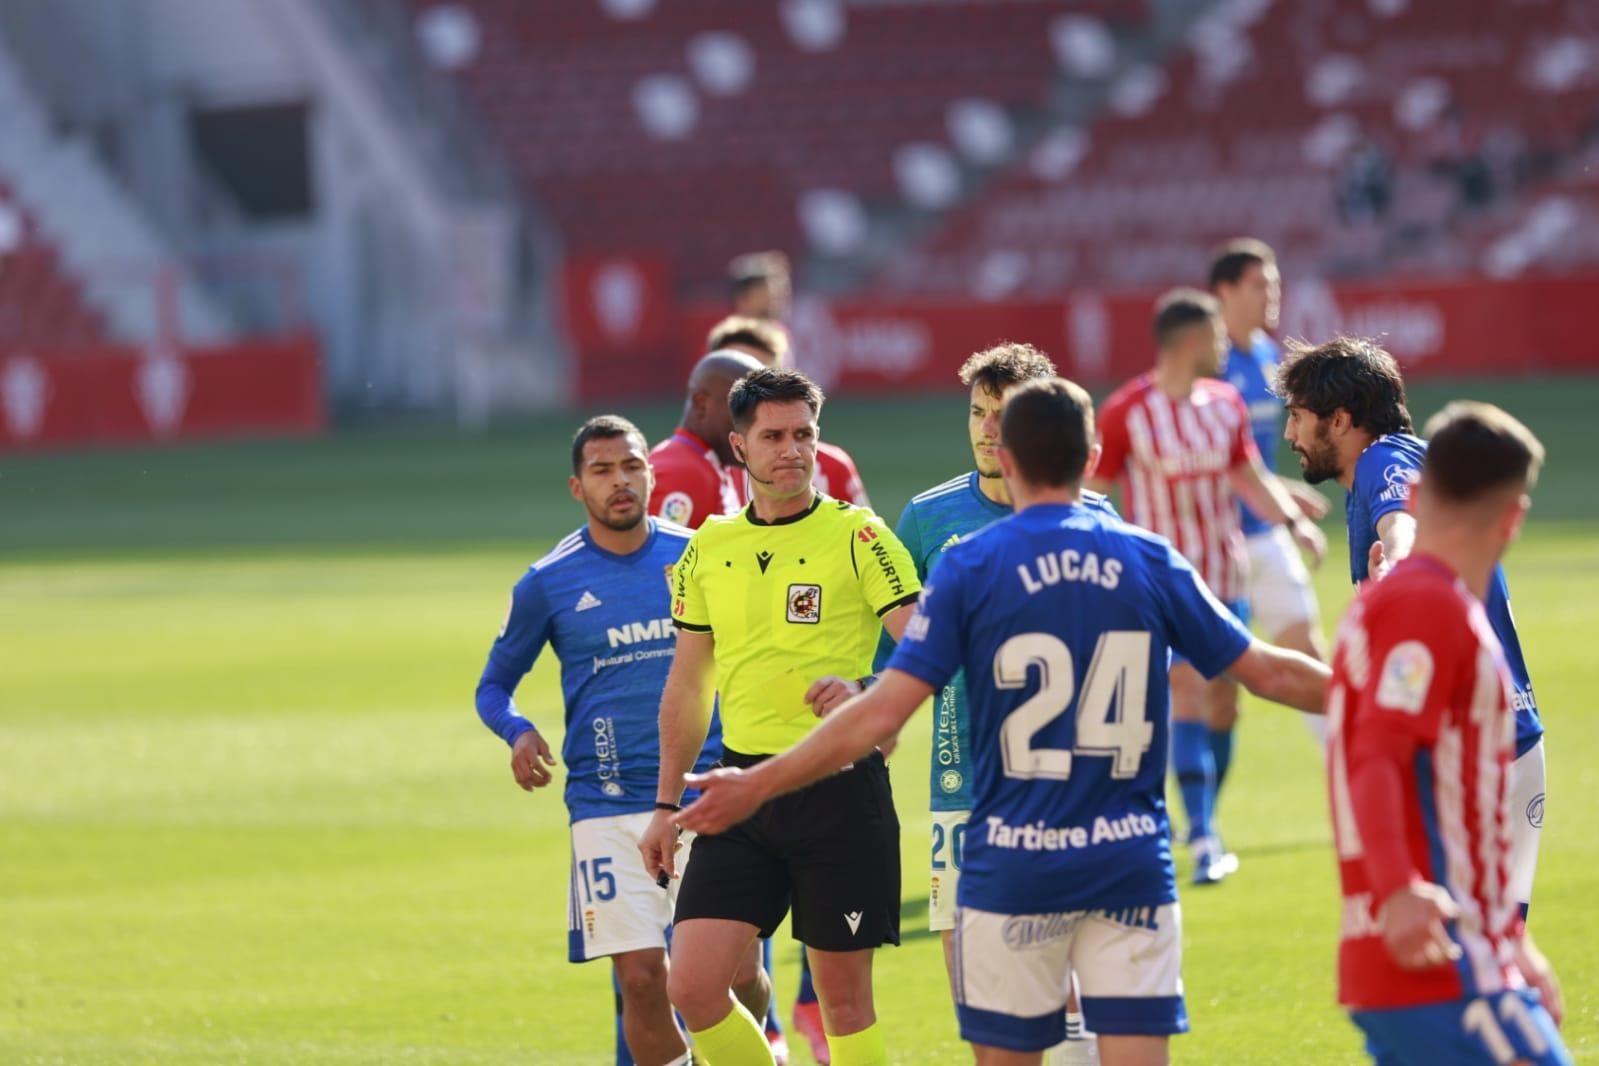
{"type": "Point", "coordinates": [1420, 686]}
{"type": "Point", "coordinates": [1173, 458]}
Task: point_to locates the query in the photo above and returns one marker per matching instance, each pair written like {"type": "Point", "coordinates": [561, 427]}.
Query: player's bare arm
{"type": "Point", "coordinates": [1537, 971]}
{"type": "Point", "coordinates": [1282, 676]}
{"type": "Point", "coordinates": [1396, 535]}
{"type": "Point", "coordinates": [829, 693]}
{"type": "Point", "coordinates": [1266, 495]}
{"type": "Point", "coordinates": [1309, 500]}
{"type": "Point", "coordinates": [728, 796]}
{"type": "Point", "coordinates": [685, 719]}
{"type": "Point", "coordinates": [531, 759]}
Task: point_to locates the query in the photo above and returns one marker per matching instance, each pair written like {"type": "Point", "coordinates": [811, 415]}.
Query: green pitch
{"type": "Point", "coordinates": [247, 813]}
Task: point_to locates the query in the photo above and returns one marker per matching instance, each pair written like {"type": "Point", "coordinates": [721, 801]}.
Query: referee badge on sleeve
{"type": "Point", "coordinates": [805, 604]}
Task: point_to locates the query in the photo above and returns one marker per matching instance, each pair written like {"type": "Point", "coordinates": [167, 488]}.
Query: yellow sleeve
{"type": "Point", "coordinates": [886, 570]}
{"type": "Point", "coordinates": [688, 599]}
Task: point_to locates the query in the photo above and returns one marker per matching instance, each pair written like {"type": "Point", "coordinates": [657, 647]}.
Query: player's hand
{"type": "Point", "coordinates": [1309, 537]}
{"type": "Point", "coordinates": [727, 797]}
{"type": "Point", "coordinates": [1309, 500]}
{"type": "Point", "coordinates": [1412, 922]}
{"type": "Point", "coordinates": [1377, 564]}
{"type": "Point", "coordinates": [531, 760]}
{"type": "Point", "coordinates": [1535, 968]}
{"type": "Point", "coordinates": [829, 692]}
{"type": "Point", "coordinates": [658, 846]}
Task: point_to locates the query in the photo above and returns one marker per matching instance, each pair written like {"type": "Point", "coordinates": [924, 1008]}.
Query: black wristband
{"type": "Point", "coordinates": [666, 806]}
{"type": "Point", "coordinates": [866, 682]}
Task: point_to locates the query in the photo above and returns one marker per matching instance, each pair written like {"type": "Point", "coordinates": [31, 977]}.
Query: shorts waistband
{"type": "Point", "coordinates": [738, 760]}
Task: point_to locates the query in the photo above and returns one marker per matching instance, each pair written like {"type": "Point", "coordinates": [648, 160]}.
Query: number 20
{"type": "Point", "coordinates": [1111, 709]}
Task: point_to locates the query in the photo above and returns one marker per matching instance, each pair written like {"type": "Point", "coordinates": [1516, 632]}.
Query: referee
{"type": "Point", "coordinates": [779, 609]}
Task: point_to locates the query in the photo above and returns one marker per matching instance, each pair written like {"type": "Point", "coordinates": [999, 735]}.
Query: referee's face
{"type": "Point", "coordinates": [779, 449]}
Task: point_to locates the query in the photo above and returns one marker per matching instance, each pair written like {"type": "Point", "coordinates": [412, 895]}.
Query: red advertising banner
{"type": "Point", "coordinates": [107, 396]}
{"type": "Point", "coordinates": [622, 324]}
{"type": "Point", "coordinates": [1436, 329]}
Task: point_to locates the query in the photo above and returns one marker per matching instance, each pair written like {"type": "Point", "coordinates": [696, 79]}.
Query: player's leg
{"type": "Point", "coordinates": [615, 909]}
{"type": "Point", "coordinates": [752, 986]}
{"type": "Point", "coordinates": [807, 1015]}
{"type": "Point", "coordinates": [1526, 793]}
{"type": "Point", "coordinates": [705, 955]}
{"type": "Point", "coordinates": [647, 1021]}
{"type": "Point", "coordinates": [773, 1018]}
{"type": "Point", "coordinates": [1282, 602]}
{"type": "Point", "coordinates": [1129, 963]}
{"type": "Point", "coordinates": [735, 889]}
{"type": "Point", "coordinates": [845, 865]}
{"type": "Point", "coordinates": [1193, 763]}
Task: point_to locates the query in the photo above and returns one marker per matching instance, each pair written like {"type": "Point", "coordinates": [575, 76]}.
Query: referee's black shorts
{"type": "Point", "coordinates": [831, 849]}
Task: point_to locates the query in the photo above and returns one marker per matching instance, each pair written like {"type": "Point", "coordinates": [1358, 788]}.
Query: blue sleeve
{"type": "Point", "coordinates": [931, 650]}
{"type": "Point", "coordinates": [527, 629]}
{"type": "Point", "coordinates": [1383, 478]}
{"type": "Point", "coordinates": [909, 532]}
{"type": "Point", "coordinates": [1206, 633]}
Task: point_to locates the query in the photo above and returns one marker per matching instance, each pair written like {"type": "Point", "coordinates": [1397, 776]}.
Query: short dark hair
{"type": "Point", "coordinates": [770, 385]}
{"type": "Point", "coordinates": [1179, 309]}
{"type": "Point", "coordinates": [1005, 364]}
{"type": "Point", "coordinates": [755, 268]}
{"type": "Point", "coordinates": [1235, 257]}
{"type": "Point", "coordinates": [746, 332]}
{"type": "Point", "coordinates": [603, 427]}
{"type": "Point", "coordinates": [1048, 427]}
{"type": "Point", "coordinates": [1476, 449]}
{"type": "Point", "coordinates": [1353, 373]}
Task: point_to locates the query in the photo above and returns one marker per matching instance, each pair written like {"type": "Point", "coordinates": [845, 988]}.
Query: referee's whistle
{"type": "Point", "coordinates": [663, 878]}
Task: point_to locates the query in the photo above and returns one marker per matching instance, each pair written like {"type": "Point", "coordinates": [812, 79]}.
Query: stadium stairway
{"type": "Point", "coordinates": [102, 239]}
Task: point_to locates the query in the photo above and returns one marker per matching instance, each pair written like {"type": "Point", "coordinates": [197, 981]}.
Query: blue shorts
{"type": "Point", "coordinates": [1240, 611]}
{"type": "Point", "coordinates": [1506, 1027]}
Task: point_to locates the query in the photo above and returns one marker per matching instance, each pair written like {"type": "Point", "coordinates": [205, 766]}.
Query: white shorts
{"type": "Point", "coordinates": [613, 905]}
{"type": "Point", "coordinates": [949, 833]}
{"type": "Point", "coordinates": [1280, 594]}
{"type": "Point", "coordinates": [1526, 821]}
{"type": "Point", "coordinates": [1013, 974]}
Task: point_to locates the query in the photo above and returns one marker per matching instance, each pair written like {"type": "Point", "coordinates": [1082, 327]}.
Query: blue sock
{"type": "Point", "coordinates": [1221, 754]}
{"type": "Point", "coordinates": [807, 991]}
{"type": "Point", "coordinates": [1196, 774]}
{"type": "Point", "coordinates": [774, 1024]}
{"type": "Point", "coordinates": [623, 1058]}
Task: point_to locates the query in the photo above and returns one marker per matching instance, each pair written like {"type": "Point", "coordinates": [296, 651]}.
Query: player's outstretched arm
{"type": "Point", "coordinates": [1267, 497]}
{"type": "Point", "coordinates": [729, 796]}
{"type": "Point", "coordinates": [1282, 676]}
{"type": "Point", "coordinates": [685, 718]}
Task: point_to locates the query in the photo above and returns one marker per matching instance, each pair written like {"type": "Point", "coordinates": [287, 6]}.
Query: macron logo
{"type": "Point", "coordinates": [587, 600]}
{"type": "Point", "coordinates": [854, 922]}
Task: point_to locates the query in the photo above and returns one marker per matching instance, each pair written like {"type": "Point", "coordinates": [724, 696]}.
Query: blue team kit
{"type": "Point", "coordinates": [1251, 371]}
{"type": "Point", "coordinates": [608, 619]}
{"type": "Point", "coordinates": [1383, 476]}
{"type": "Point", "coordinates": [931, 523]}
{"type": "Point", "coordinates": [1079, 609]}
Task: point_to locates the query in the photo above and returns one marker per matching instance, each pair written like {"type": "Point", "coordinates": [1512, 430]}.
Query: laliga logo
{"type": "Point", "coordinates": [24, 389]}
{"type": "Point", "coordinates": [618, 294]}
{"type": "Point", "coordinates": [1410, 329]}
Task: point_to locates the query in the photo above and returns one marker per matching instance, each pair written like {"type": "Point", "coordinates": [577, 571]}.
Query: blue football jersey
{"type": "Point", "coordinates": [930, 523]}
{"type": "Point", "coordinates": [1251, 371]}
{"type": "Point", "coordinates": [609, 619]}
{"type": "Point", "coordinates": [1063, 619]}
{"type": "Point", "coordinates": [1383, 475]}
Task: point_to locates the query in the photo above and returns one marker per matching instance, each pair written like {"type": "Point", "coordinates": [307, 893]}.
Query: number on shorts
{"type": "Point", "coordinates": [604, 884]}
{"type": "Point", "coordinates": [1479, 1020]}
{"type": "Point", "coordinates": [1111, 713]}
{"type": "Point", "coordinates": [957, 840]}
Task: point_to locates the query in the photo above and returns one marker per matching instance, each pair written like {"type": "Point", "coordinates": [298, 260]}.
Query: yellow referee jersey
{"type": "Point", "coordinates": [788, 602]}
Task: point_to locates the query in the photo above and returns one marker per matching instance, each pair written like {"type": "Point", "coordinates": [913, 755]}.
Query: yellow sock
{"type": "Point", "coordinates": [865, 1048]}
{"type": "Point", "coordinates": [734, 1041]}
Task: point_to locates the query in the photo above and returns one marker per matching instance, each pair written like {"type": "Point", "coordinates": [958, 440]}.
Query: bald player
{"type": "Point", "coordinates": [694, 467]}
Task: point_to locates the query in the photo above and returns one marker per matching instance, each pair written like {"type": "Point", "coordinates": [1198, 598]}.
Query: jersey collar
{"type": "Point", "coordinates": [631, 557]}
{"type": "Point", "coordinates": [816, 501]}
{"type": "Point", "coordinates": [688, 436]}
